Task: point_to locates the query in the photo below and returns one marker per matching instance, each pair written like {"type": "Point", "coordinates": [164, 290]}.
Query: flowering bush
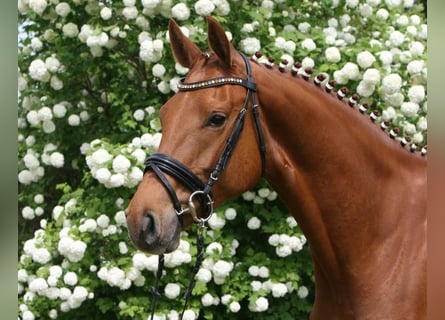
{"type": "Point", "coordinates": [92, 76]}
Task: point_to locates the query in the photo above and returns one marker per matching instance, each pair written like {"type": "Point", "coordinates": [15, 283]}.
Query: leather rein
{"type": "Point", "coordinates": [162, 164]}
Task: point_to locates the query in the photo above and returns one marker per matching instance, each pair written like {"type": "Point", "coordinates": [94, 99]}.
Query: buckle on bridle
{"type": "Point", "coordinates": [191, 208]}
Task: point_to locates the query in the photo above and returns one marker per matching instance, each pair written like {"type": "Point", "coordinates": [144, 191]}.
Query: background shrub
{"type": "Point", "coordinates": [92, 76]}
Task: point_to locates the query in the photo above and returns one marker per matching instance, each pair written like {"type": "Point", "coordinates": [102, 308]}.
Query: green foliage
{"type": "Point", "coordinates": [91, 83]}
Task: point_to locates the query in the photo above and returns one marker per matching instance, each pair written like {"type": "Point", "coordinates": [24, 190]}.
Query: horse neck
{"type": "Point", "coordinates": [333, 168]}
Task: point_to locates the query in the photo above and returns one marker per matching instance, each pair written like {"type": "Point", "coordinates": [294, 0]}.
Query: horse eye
{"type": "Point", "coordinates": [216, 120]}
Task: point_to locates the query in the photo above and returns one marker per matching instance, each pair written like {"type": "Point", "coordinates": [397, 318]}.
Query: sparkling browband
{"type": "Point", "coordinates": [214, 82]}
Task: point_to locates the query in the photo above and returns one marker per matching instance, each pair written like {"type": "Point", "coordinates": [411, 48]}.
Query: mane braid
{"type": "Point", "coordinates": [297, 71]}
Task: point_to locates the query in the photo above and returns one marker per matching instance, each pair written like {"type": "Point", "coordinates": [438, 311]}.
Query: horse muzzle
{"type": "Point", "coordinates": [153, 233]}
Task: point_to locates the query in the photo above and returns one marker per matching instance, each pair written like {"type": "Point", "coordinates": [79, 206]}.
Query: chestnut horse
{"type": "Point", "coordinates": [357, 194]}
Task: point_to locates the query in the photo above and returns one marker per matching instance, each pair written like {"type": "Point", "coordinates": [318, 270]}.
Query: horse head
{"type": "Point", "coordinates": [201, 126]}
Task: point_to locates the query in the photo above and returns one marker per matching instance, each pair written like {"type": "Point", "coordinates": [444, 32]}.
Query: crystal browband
{"type": "Point", "coordinates": [214, 82]}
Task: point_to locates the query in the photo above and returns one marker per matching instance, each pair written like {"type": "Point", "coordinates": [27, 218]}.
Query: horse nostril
{"type": "Point", "coordinates": [148, 226]}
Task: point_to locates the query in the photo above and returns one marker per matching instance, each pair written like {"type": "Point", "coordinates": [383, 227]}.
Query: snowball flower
{"type": "Point", "coordinates": [389, 113]}
{"type": "Point", "coordinates": [222, 268]}
{"type": "Point", "coordinates": [415, 67]}
{"type": "Point", "coordinates": [158, 70]}
{"type": "Point", "coordinates": [103, 221]}
{"type": "Point", "coordinates": [422, 124]}
{"type": "Point", "coordinates": [216, 223]}
{"type": "Point", "coordinates": [70, 278]}
{"type": "Point", "coordinates": [180, 11]}
{"type": "Point", "coordinates": [416, 48]}
{"type": "Point", "coordinates": [308, 44]}
{"type": "Point", "coordinates": [31, 162]}
{"type": "Point", "coordinates": [106, 13]}
{"type": "Point", "coordinates": [204, 7]}
{"type": "Point", "coordinates": [396, 38]}
{"type": "Point", "coordinates": [103, 175]}
{"type": "Point", "coordinates": [385, 57]}
{"type": "Point", "coordinates": [52, 64]}
{"type": "Point", "coordinates": [214, 247]}
{"type": "Point", "coordinates": [332, 54]}
{"type": "Point", "coordinates": [234, 306]}
{"type": "Point", "coordinates": [38, 6]}
{"type": "Point", "coordinates": [44, 114]}
{"type": "Point", "coordinates": [391, 83]}
{"type": "Point", "coordinates": [57, 159]}
{"type": "Point", "coordinates": [279, 290]}
{"type": "Point", "coordinates": [250, 45]}
{"type": "Point", "coordinates": [130, 12]}
{"type": "Point", "coordinates": [207, 300]}
{"type": "Point", "coordinates": [416, 93]}
{"type": "Point", "coordinates": [28, 213]}
{"type": "Point", "coordinates": [63, 9]}
{"type": "Point", "coordinates": [70, 30]}
{"type": "Point", "coordinates": [121, 164]}
{"type": "Point", "coordinates": [260, 305]}
{"type": "Point", "coordinates": [371, 76]}
{"type": "Point", "coordinates": [100, 156]}
{"type": "Point", "coordinates": [351, 71]}
{"type": "Point", "coordinates": [254, 223]}
{"type": "Point", "coordinates": [74, 120]}
{"type": "Point", "coordinates": [38, 285]}
{"type": "Point", "coordinates": [116, 180]}
{"type": "Point", "coordinates": [283, 251]}
{"type": "Point", "coordinates": [88, 225]}
{"type": "Point", "coordinates": [38, 71]}
{"type": "Point", "coordinates": [27, 315]}
{"type": "Point", "coordinates": [409, 109]}
{"type": "Point", "coordinates": [204, 275]}
{"type": "Point", "coordinates": [120, 218]}
{"type": "Point", "coordinates": [304, 27]}
{"type": "Point", "coordinates": [365, 59]}
{"type": "Point", "coordinates": [72, 250]}
{"type": "Point", "coordinates": [41, 255]}
{"type": "Point", "coordinates": [302, 292]}
{"type": "Point", "coordinates": [351, 3]}
{"type": "Point", "coordinates": [172, 290]}
{"type": "Point", "coordinates": [263, 272]}
{"type": "Point", "coordinates": [230, 214]}
{"type": "Point", "coordinates": [150, 4]}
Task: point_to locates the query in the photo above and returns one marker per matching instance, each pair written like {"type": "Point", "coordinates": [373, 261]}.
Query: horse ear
{"type": "Point", "coordinates": [184, 50]}
{"type": "Point", "coordinates": [218, 41]}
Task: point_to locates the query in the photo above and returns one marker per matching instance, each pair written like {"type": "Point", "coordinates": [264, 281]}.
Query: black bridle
{"type": "Point", "coordinates": [162, 164]}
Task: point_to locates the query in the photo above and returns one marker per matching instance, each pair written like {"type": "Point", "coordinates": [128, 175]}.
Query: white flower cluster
{"type": "Point", "coordinates": [250, 45]}
{"type": "Point", "coordinates": [53, 286]}
{"type": "Point", "coordinates": [260, 196]}
{"type": "Point", "coordinates": [47, 70]}
{"type": "Point", "coordinates": [208, 7]}
{"type": "Point", "coordinates": [48, 287]}
{"type": "Point", "coordinates": [124, 168]}
{"type": "Point", "coordinates": [218, 271]}
{"type": "Point", "coordinates": [32, 161]}
{"type": "Point", "coordinates": [96, 40]}
{"type": "Point", "coordinates": [151, 50]}
{"type": "Point", "coordinates": [102, 225]}
{"type": "Point", "coordinates": [259, 305]}
{"type": "Point", "coordinates": [73, 250]}
{"type": "Point", "coordinates": [116, 277]}
{"type": "Point", "coordinates": [35, 249]}
{"type": "Point", "coordinates": [285, 244]}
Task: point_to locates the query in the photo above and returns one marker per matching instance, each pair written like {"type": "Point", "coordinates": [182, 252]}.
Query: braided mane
{"type": "Point", "coordinates": [353, 100]}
